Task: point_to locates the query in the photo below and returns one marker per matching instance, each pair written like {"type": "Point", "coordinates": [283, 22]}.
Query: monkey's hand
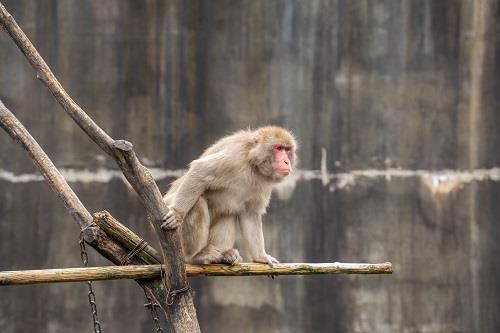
{"type": "Point", "coordinates": [172, 220]}
{"type": "Point", "coordinates": [267, 259]}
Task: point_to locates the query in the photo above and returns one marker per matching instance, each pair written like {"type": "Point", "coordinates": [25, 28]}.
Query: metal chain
{"type": "Point", "coordinates": [152, 305]}
{"type": "Point", "coordinates": [150, 302]}
{"type": "Point", "coordinates": [91, 295]}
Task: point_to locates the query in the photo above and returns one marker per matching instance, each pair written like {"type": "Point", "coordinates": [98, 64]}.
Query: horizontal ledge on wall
{"type": "Point", "coordinates": [153, 271]}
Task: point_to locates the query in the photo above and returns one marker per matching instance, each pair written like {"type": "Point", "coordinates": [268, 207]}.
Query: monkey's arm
{"type": "Point", "coordinates": [200, 175]}
{"type": "Point", "coordinates": [251, 229]}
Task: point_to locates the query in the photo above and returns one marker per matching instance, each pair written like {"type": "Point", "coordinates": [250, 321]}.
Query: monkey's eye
{"type": "Point", "coordinates": [279, 148]}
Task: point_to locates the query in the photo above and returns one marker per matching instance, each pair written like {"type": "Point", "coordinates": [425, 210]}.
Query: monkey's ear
{"type": "Point", "coordinates": [254, 150]}
{"type": "Point", "coordinates": [254, 139]}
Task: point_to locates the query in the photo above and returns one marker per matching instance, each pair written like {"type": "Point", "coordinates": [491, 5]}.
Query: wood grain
{"type": "Point", "coordinates": [153, 271]}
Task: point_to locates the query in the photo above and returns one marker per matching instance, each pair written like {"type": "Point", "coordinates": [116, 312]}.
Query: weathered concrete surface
{"type": "Point", "coordinates": [372, 86]}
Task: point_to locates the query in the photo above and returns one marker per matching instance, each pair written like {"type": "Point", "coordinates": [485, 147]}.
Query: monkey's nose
{"type": "Point", "coordinates": [286, 162]}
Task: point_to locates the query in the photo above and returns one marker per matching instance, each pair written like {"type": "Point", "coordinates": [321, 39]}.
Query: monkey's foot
{"type": "Point", "coordinates": [208, 255]}
{"type": "Point", "coordinates": [267, 259]}
{"type": "Point", "coordinates": [231, 257]}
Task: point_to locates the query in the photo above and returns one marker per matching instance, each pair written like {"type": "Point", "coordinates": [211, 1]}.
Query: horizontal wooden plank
{"type": "Point", "coordinates": [153, 271]}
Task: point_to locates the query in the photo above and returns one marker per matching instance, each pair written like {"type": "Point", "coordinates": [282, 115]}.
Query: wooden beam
{"type": "Point", "coordinates": [153, 272]}
{"type": "Point", "coordinates": [126, 237]}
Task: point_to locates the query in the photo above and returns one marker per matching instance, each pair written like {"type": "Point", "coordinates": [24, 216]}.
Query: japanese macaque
{"type": "Point", "coordinates": [228, 188]}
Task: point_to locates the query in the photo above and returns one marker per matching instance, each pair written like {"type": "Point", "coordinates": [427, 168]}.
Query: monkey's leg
{"type": "Point", "coordinates": [251, 229]}
{"type": "Point", "coordinates": [208, 255]}
{"type": "Point", "coordinates": [222, 236]}
{"type": "Point", "coordinates": [221, 239]}
{"type": "Point", "coordinates": [195, 229]}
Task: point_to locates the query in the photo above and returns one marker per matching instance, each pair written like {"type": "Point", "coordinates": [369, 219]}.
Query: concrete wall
{"type": "Point", "coordinates": [394, 103]}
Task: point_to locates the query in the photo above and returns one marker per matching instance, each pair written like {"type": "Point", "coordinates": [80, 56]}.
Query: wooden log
{"type": "Point", "coordinates": [153, 272]}
{"type": "Point", "coordinates": [126, 237]}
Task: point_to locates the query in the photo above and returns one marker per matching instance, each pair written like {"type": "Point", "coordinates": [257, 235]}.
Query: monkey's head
{"type": "Point", "coordinates": [273, 152]}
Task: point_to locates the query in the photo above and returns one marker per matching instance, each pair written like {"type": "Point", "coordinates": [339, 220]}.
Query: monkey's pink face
{"type": "Point", "coordinates": [281, 159]}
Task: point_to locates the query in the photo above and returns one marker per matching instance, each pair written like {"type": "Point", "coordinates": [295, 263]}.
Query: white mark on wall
{"type": "Point", "coordinates": [21, 178]}
{"type": "Point", "coordinates": [100, 175]}
{"type": "Point", "coordinates": [440, 182]}
{"type": "Point", "coordinates": [259, 293]}
{"type": "Point", "coordinates": [324, 170]}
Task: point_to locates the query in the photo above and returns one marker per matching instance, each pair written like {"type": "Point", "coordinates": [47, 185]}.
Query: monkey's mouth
{"type": "Point", "coordinates": [283, 172]}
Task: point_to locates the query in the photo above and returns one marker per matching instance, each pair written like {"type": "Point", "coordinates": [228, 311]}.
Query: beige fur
{"type": "Point", "coordinates": [229, 184]}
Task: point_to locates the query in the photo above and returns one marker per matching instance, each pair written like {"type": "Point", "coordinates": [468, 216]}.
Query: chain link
{"type": "Point", "coordinates": [152, 305]}
{"type": "Point", "coordinates": [90, 295]}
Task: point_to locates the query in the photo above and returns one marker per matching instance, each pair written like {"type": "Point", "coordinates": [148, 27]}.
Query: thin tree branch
{"type": "Point", "coordinates": [56, 181]}
{"type": "Point", "coordinates": [45, 74]}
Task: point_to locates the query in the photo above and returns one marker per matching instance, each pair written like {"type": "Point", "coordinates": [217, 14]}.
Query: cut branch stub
{"type": "Point", "coordinates": [123, 145]}
{"type": "Point", "coordinates": [92, 233]}
{"type": "Point", "coordinates": [139, 177]}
